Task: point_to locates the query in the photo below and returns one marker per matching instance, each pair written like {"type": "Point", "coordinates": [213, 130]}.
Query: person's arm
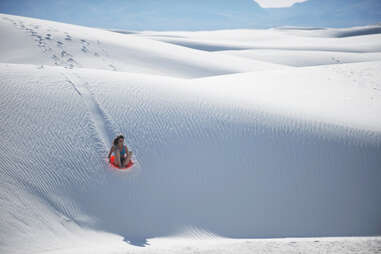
{"type": "Point", "coordinates": [127, 151]}
{"type": "Point", "coordinates": [111, 150]}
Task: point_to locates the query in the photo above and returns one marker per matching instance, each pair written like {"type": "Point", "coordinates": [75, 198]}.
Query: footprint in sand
{"type": "Point", "coordinates": [38, 37]}
{"type": "Point", "coordinates": [84, 49]}
{"type": "Point", "coordinates": [71, 63]}
{"type": "Point", "coordinates": [112, 67]}
{"type": "Point", "coordinates": [64, 54]}
{"type": "Point", "coordinates": [56, 59]}
{"type": "Point", "coordinates": [84, 42]}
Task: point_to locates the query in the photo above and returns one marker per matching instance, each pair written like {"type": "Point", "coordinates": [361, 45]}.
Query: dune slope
{"type": "Point", "coordinates": [217, 165]}
{"type": "Point", "coordinates": [223, 151]}
{"type": "Point", "coordinates": [34, 41]}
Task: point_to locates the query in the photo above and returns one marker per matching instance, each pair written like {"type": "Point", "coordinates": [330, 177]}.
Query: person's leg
{"type": "Point", "coordinates": [129, 156]}
{"type": "Point", "coordinates": [123, 162]}
{"type": "Point", "coordinates": [117, 158]}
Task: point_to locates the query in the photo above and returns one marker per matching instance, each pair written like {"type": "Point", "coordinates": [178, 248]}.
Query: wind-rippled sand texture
{"type": "Point", "coordinates": [276, 151]}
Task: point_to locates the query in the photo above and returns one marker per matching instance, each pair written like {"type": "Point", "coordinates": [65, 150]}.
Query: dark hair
{"type": "Point", "coordinates": [116, 140]}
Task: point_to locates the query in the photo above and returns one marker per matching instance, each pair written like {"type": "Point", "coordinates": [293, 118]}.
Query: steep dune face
{"type": "Point", "coordinates": [232, 169]}
{"type": "Point", "coordinates": [277, 153]}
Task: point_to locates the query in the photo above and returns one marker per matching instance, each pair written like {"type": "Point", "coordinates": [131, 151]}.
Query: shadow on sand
{"type": "Point", "coordinates": [140, 242]}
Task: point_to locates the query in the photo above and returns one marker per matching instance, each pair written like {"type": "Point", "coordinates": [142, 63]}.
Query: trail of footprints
{"type": "Point", "coordinates": [55, 48]}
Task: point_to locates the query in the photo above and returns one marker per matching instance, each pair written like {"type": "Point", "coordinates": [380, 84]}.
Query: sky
{"type": "Point", "coordinates": [193, 15]}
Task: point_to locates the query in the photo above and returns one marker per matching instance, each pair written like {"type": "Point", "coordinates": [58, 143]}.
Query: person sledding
{"type": "Point", "coordinates": [120, 150]}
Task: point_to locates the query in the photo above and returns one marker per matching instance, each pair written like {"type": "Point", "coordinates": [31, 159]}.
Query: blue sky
{"type": "Point", "coordinates": [199, 14]}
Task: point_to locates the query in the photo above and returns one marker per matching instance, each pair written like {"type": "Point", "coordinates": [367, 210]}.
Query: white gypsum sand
{"type": "Point", "coordinates": [228, 150]}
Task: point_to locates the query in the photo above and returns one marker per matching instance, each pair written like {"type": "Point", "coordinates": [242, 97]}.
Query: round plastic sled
{"type": "Point", "coordinates": [128, 166]}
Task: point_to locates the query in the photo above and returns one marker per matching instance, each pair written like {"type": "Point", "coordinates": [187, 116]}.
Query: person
{"type": "Point", "coordinates": [122, 155]}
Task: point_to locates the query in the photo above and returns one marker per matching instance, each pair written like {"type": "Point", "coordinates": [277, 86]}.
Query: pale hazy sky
{"type": "Point", "coordinates": [277, 3]}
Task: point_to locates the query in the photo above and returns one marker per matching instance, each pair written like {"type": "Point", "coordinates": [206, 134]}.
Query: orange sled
{"type": "Point", "coordinates": [129, 164]}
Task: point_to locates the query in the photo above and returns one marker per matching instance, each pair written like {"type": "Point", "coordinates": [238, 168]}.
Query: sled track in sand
{"type": "Point", "coordinates": [101, 121]}
{"type": "Point", "coordinates": [104, 126]}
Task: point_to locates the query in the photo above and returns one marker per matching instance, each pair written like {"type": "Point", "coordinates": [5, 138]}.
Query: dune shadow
{"type": "Point", "coordinates": [139, 242]}
{"type": "Point", "coordinates": [205, 46]}
{"type": "Point", "coordinates": [123, 32]}
{"type": "Point", "coordinates": [360, 32]}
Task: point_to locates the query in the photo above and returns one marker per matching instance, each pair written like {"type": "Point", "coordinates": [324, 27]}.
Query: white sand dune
{"type": "Point", "coordinates": [319, 39]}
{"type": "Point", "coordinates": [284, 42]}
{"type": "Point", "coordinates": [333, 32]}
{"type": "Point", "coordinates": [273, 152]}
{"type": "Point", "coordinates": [302, 58]}
{"type": "Point", "coordinates": [290, 46]}
{"type": "Point", "coordinates": [33, 41]}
